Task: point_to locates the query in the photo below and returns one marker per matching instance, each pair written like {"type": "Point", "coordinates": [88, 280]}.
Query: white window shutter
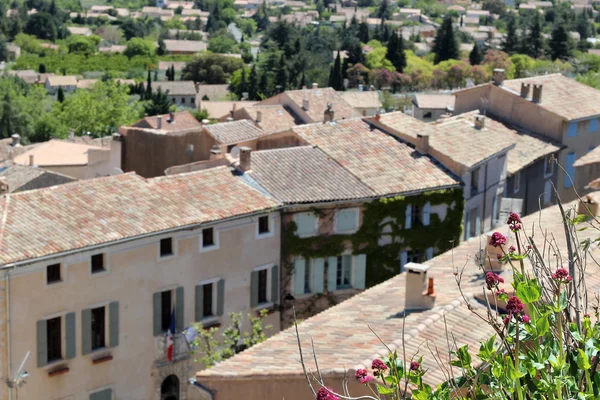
{"type": "Point", "coordinates": [299, 267]}
{"type": "Point", "coordinates": [360, 271]}
{"type": "Point", "coordinates": [403, 260]}
{"type": "Point", "coordinates": [429, 253]}
{"type": "Point", "coordinates": [318, 274]}
{"type": "Point", "coordinates": [426, 213]}
{"type": "Point", "coordinates": [408, 219]}
{"type": "Point", "coordinates": [331, 274]}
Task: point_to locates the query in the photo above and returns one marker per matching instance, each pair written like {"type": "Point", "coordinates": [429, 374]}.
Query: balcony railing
{"type": "Point", "coordinates": [181, 349]}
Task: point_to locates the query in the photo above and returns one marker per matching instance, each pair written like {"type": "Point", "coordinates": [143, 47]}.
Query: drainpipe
{"type": "Point", "coordinates": [485, 190]}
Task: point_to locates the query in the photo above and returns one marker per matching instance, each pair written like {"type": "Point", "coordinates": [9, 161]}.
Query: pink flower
{"type": "Point", "coordinates": [378, 365]}
{"type": "Point", "coordinates": [414, 365]}
{"type": "Point", "coordinates": [499, 256]}
{"type": "Point", "coordinates": [501, 292]}
{"type": "Point", "coordinates": [512, 249]}
{"type": "Point", "coordinates": [506, 320]}
{"type": "Point", "coordinates": [492, 280]}
{"type": "Point", "coordinates": [561, 275]}
{"type": "Point", "coordinates": [514, 306]}
{"type": "Point", "coordinates": [514, 222]}
{"type": "Point", "coordinates": [326, 393]}
{"type": "Point", "coordinates": [366, 379]}
{"type": "Point", "coordinates": [360, 373]}
{"type": "Point", "coordinates": [497, 239]}
{"type": "Point", "coordinates": [525, 319]}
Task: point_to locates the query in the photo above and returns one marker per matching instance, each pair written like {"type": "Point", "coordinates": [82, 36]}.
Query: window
{"type": "Point", "coordinates": [166, 247]}
{"type": "Point", "coordinates": [98, 263]}
{"type": "Point", "coordinates": [208, 237]}
{"type": "Point", "coordinates": [165, 313]}
{"type": "Point", "coordinates": [207, 300]}
{"type": "Point", "coordinates": [414, 256]}
{"type": "Point", "coordinates": [517, 182]}
{"type": "Point", "coordinates": [475, 181]}
{"type": "Point", "coordinates": [183, 100]}
{"type": "Point", "coordinates": [263, 225]}
{"type": "Point", "coordinates": [427, 115]}
{"type": "Point", "coordinates": [53, 273]}
{"type": "Point", "coordinates": [344, 272]}
{"type": "Point", "coordinates": [593, 127]}
{"type": "Point", "coordinates": [346, 220]}
{"type": "Point", "coordinates": [548, 166]}
{"type": "Point", "coordinates": [193, 100]}
{"type": "Point", "coordinates": [262, 286]}
{"type": "Point", "coordinates": [569, 170]}
{"type": "Point", "coordinates": [54, 328]}
{"type": "Point", "coordinates": [307, 276]}
{"type": "Point", "coordinates": [416, 214]}
{"type": "Point", "coordinates": [572, 130]}
{"type": "Point", "coordinates": [173, 100]}
{"type": "Point", "coordinates": [98, 328]}
{"type": "Point", "coordinates": [306, 224]}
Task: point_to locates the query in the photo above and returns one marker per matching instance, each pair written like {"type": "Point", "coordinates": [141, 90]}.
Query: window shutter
{"type": "Point", "coordinates": [179, 309]}
{"type": "Point", "coordinates": [254, 289]}
{"type": "Point", "coordinates": [408, 219]}
{"type": "Point", "coordinates": [468, 225]}
{"type": "Point", "coordinates": [70, 335]}
{"type": "Point", "coordinates": [477, 223]}
{"type": "Point", "coordinates": [113, 320]}
{"type": "Point", "coordinates": [275, 284]}
{"type": "Point", "coordinates": [199, 302]}
{"type": "Point", "coordinates": [157, 300]}
{"type": "Point", "coordinates": [105, 394]}
{"type": "Point", "coordinates": [318, 274]}
{"type": "Point", "coordinates": [426, 213]}
{"type": "Point", "coordinates": [403, 260]}
{"type": "Point", "coordinates": [331, 273]}
{"type": "Point", "coordinates": [429, 253]}
{"type": "Point", "coordinates": [299, 270]}
{"type": "Point", "coordinates": [86, 331]}
{"type": "Point", "coordinates": [42, 343]}
{"type": "Point", "coordinates": [345, 220]}
{"type": "Point", "coordinates": [360, 271]}
{"type": "Point", "coordinates": [220, 297]}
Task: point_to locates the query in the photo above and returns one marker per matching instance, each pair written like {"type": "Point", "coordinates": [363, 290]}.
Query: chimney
{"type": "Point", "coordinates": [171, 117]}
{"type": "Point", "coordinates": [525, 89]}
{"type": "Point", "coordinates": [378, 115]}
{"type": "Point", "coordinates": [479, 121]}
{"type": "Point", "coordinates": [315, 85]}
{"type": "Point", "coordinates": [205, 122]}
{"type": "Point", "coordinates": [4, 188]}
{"type": "Point", "coordinates": [197, 86]}
{"type": "Point", "coordinates": [16, 140]}
{"type": "Point", "coordinates": [215, 153]}
{"type": "Point", "coordinates": [159, 122]}
{"type": "Point", "coordinates": [245, 153]}
{"type": "Point", "coordinates": [329, 114]}
{"type": "Point", "coordinates": [537, 93]}
{"type": "Point", "coordinates": [420, 293]}
{"type": "Point", "coordinates": [422, 143]}
{"type": "Point", "coordinates": [305, 104]}
{"type": "Point", "coordinates": [498, 77]}
{"type": "Point", "coordinates": [258, 117]}
{"type": "Point", "coordinates": [31, 160]}
{"type": "Point", "coordinates": [229, 119]}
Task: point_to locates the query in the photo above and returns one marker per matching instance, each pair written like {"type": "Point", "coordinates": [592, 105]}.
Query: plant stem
{"type": "Point", "coordinates": [518, 381]}
{"type": "Point", "coordinates": [519, 250]}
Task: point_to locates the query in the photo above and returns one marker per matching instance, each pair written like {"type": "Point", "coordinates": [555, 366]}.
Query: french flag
{"type": "Point", "coordinates": [170, 337]}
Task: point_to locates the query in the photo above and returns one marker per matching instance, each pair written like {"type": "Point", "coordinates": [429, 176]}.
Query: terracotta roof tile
{"type": "Point", "coordinates": [58, 152]}
{"type": "Point", "coordinates": [592, 157]}
{"type": "Point", "coordinates": [218, 109]}
{"type": "Point", "coordinates": [176, 88]}
{"type": "Point", "coordinates": [318, 100]}
{"type": "Point", "coordinates": [234, 132]}
{"type": "Point", "coordinates": [183, 121]}
{"type": "Point", "coordinates": [23, 177]}
{"type": "Point", "coordinates": [188, 46]}
{"type": "Point", "coordinates": [273, 118]}
{"type": "Point", "coordinates": [362, 99]}
{"type": "Point", "coordinates": [435, 101]}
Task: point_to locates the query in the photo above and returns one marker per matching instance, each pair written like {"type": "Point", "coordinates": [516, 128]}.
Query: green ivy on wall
{"type": "Point", "coordinates": [383, 261]}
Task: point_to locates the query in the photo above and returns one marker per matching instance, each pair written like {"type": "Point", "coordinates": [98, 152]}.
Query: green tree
{"type": "Point", "coordinates": [336, 79]}
{"type": "Point", "coordinates": [511, 42]}
{"type": "Point", "coordinates": [6, 120]}
{"type": "Point", "coordinates": [158, 103]}
{"type": "Point", "coordinates": [534, 44]}
{"type": "Point", "coordinates": [60, 95]}
{"type": "Point", "coordinates": [395, 51]}
{"type": "Point", "coordinates": [384, 11]}
{"type": "Point", "coordinates": [494, 6]}
{"type": "Point", "coordinates": [282, 74]}
{"type": "Point", "coordinates": [162, 48]}
{"type": "Point", "coordinates": [302, 83]}
{"type": "Point", "coordinates": [222, 44]}
{"type": "Point", "coordinates": [3, 48]}
{"type": "Point", "coordinates": [139, 47]}
{"type": "Point", "coordinates": [149, 84]}
{"type": "Point", "coordinates": [561, 44]}
{"type": "Point", "coordinates": [211, 68]}
{"type": "Point", "coordinates": [41, 25]}
{"type": "Point", "coordinates": [363, 32]}
{"type": "Point", "coordinates": [253, 84]}
{"type": "Point", "coordinates": [583, 26]}
{"type": "Point", "coordinates": [475, 56]}
{"type": "Point", "coordinates": [445, 46]}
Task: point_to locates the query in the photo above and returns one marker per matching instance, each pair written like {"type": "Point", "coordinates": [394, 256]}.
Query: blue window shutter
{"type": "Point", "coordinates": [318, 274]}
{"type": "Point", "coordinates": [156, 312]}
{"type": "Point", "coordinates": [593, 127]}
{"type": "Point", "coordinates": [70, 335]}
{"type": "Point", "coordinates": [179, 302]}
{"type": "Point", "coordinates": [408, 219]}
{"type": "Point", "coordinates": [572, 132]}
{"type": "Point", "coordinates": [477, 223]}
{"type": "Point", "coordinates": [86, 331]}
{"type": "Point", "coordinates": [42, 343]}
{"type": "Point", "coordinates": [220, 297]}
{"type": "Point", "coordinates": [360, 271]}
{"type": "Point", "coordinates": [346, 220]}
{"type": "Point", "coordinates": [254, 289]}
{"type": "Point", "coordinates": [305, 224]}
{"type": "Point", "coordinates": [113, 318]}
{"type": "Point", "coordinates": [403, 260]}
{"type": "Point", "coordinates": [569, 170]}
{"type": "Point", "coordinates": [275, 284]}
{"type": "Point", "coordinates": [199, 312]}
{"type": "Point", "coordinates": [429, 253]}
{"type": "Point", "coordinates": [331, 273]}
{"type": "Point", "coordinates": [426, 213]}
{"type": "Point", "coordinates": [468, 225]}
{"type": "Point", "coordinates": [299, 270]}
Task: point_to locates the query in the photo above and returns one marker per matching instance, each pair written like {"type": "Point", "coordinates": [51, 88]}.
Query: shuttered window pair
{"type": "Point", "coordinates": [342, 272]}
{"type": "Point", "coordinates": [53, 346]}
{"type": "Point", "coordinates": [166, 305]}
{"type": "Point", "coordinates": [210, 298]}
{"type": "Point", "coordinates": [260, 281]}
{"type": "Point", "coordinates": [413, 214]}
{"type": "Point", "coordinates": [411, 256]}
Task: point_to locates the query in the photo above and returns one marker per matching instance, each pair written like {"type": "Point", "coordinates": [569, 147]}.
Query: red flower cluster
{"type": "Point", "coordinates": [512, 249]}
{"type": "Point", "coordinates": [492, 280]}
{"type": "Point", "coordinates": [326, 393]}
{"type": "Point", "coordinates": [363, 376]}
{"type": "Point", "coordinates": [514, 222]}
{"type": "Point", "coordinates": [562, 275]}
{"type": "Point", "coordinates": [377, 364]}
{"type": "Point", "coordinates": [515, 306]}
{"type": "Point", "coordinates": [414, 366]}
{"type": "Point", "coordinates": [497, 239]}
{"type": "Point", "coordinates": [525, 319]}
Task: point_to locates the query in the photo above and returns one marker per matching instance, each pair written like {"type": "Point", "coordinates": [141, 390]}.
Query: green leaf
{"type": "Point", "coordinates": [391, 380]}
{"type": "Point", "coordinates": [384, 390]}
{"type": "Point", "coordinates": [583, 363]}
{"type": "Point", "coordinates": [528, 292]}
{"type": "Point", "coordinates": [575, 332]}
{"type": "Point", "coordinates": [542, 325]}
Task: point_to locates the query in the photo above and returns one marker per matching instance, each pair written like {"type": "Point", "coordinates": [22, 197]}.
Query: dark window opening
{"type": "Point", "coordinates": [53, 327]}
{"type": "Point", "coordinates": [98, 263]}
{"type": "Point", "coordinates": [208, 237]}
{"type": "Point", "coordinates": [207, 302]}
{"type": "Point", "coordinates": [166, 247]}
{"type": "Point", "coordinates": [415, 215]}
{"type": "Point", "coordinates": [166, 310]}
{"type": "Point", "coordinates": [343, 274]}
{"type": "Point", "coordinates": [263, 225]}
{"type": "Point", "coordinates": [53, 273]}
{"type": "Point", "coordinates": [307, 273]}
{"type": "Point", "coordinates": [98, 328]}
{"type": "Point", "coordinates": [262, 286]}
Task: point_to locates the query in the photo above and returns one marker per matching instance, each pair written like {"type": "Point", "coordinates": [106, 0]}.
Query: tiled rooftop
{"type": "Point", "coordinates": [58, 152]}
{"type": "Point", "coordinates": [218, 109]}
{"type": "Point", "coordinates": [592, 157]}
{"type": "Point", "coordinates": [384, 164]}
{"type": "Point", "coordinates": [404, 123]}
{"type": "Point", "coordinates": [183, 121]}
{"type": "Point", "coordinates": [76, 215]}
{"type": "Point", "coordinates": [303, 175]}
{"type": "Point", "coordinates": [234, 132]}
{"type": "Point", "coordinates": [7, 150]}
{"type": "Point", "coordinates": [273, 118]}
{"type": "Point", "coordinates": [23, 177]}
{"type": "Point", "coordinates": [362, 99]}
{"type": "Point", "coordinates": [175, 88]}
{"type": "Point", "coordinates": [185, 46]}
{"type": "Point", "coordinates": [435, 101]}
{"type": "Point", "coordinates": [318, 100]}
{"type": "Point", "coordinates": [60, 80]}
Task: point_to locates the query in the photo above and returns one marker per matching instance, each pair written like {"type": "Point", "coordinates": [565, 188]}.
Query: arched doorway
{"type": "Point", "coordinates": [169, 390]}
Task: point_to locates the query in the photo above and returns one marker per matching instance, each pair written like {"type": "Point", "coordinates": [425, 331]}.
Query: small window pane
{"type": "Point", "coordinates": [344, 271]}
{"type": "Point", "coordinates": [53, 273]}
{"type": "Point", "coordinates": [263, 225]}
{"type": "Point", "coordinates": [208, 237]}
{"type": "Point", "coordinates": [98, 263]}
{"type": "Point", "coordinates": [53, 326]}
{"type": "Point", "coordinates": [262, 286]}
{"type": "Point", "coordinates": [207, 300]}
{"type": "Point", "coordinates": [166, 310]}
{"type": "Point", "coordinates": [166, 247]}
{"type": "Point", "coordinates": [307, 276]}
{"type": "Point", "coordinates": [98, 328]}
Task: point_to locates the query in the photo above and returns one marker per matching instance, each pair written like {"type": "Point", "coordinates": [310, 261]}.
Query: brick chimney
{"type": "Point", "coordinates": [537, 93]}
{"type": "Point", "coordinates": [4, 188]}
{"type": "Point", "coordinates": [305, 104]}
{"type": "Point", "coordinates": [498, 77]}
{"type": "Point", "coordinates": [31, 163]}
{"type": "Point", "coordinates": [479, 121]}
{"type": "Point", "coordinates": [245, 158]}
{"type": "Point", "coordinates": [329, 114]}
{"type": "Point", "coordinates": [215, 153]}
{"type": "Point", "coordinates": [420, 294]}
{"type": "Point", "coordinates": [525, 89]}
{"type": "Point", "coordinates": [159, 122]}
{"type": "Point", "coordinates": [258, 117]}
{"type": "Point", "coordinates": [422, 143]}
{"type": "Point", "coordinates": [315, 85]}
{"type": "Point", "coordinates": [197, 86]}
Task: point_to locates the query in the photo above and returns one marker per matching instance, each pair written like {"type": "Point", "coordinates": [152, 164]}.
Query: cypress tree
{"type": "Point", "coordinates": [445, 46]}
{"type": "Point", "coordinates": [142, 91]}
{"type": "Point", "coordinates": [162, 48]}
{"type": "Point", "coordinates": [149, 85]}
{"type": "Point", "coordinates": [282, 75]}
{"type": "Point", "coordinates": [253, 86]}
{"type": "Point", "coordinates": [155, 74]}
{"type": "Point", "coordinates": [42, 68]}
{"type": "Point", "coordinates": [384, 12]}
{"type": "Point", "coordinates": [263, 85]}
{"type": "Point", "coordinates": [60, 95]}
{"type": "Point", "coordinates": [561, 45]}
{"type": "Point", "coordinates": [6, 125]}
{"type": "Point", "coordinates": [335, 74]}
{"type": "Point", "coordinates": [511, 43]}
{"type": "Point", "coordinates": [243, 83]}
{"type": "Point", "coordinates": [395, 51]}
{"type": "Point", "coordinates": [475, 57]}
{"type": "Point", "coordinates": [535, 40]}
{"type": "Point", "coordinates": [302, 81]}
{"type": "Point", "coordinates": [363, 32]}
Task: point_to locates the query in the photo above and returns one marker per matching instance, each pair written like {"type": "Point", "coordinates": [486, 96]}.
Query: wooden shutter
{"type": "Point", "coordinates": [220, 297]}
{"type": "Point", "coordinates": [360, 270]}
{"type": "Point", "coordinates": [403, 260]}
{"type": "Point", "coordinates": [157, 309]}
{"type": "Point", "coordinates": [331, 273]}
{"type": "Point", "coordinates": [199, 314]}
{"type": "Point", "coordinates": [254, 289]}
{"type": "Point", "coordinates": [408, 217]}
{"type": "Point", "coordinates": [429, 253]}
{"type": "Point", "coordinates": [426, 213]}
{"type": "Point", "coordinates": [179, 316]}
{"type": "Point", "coordinates": [299, 270]}
{"type": "Point", "coordinates": [105, 394]}
{"type": "Point", "coordinates": [318, 276]}
{"type": "Point", "coordinates": [70, 335]}
{"type": "Point", "coordinates": [113, 324]}
{"type": "Point", "coordinates": [86, 331]}
{"type": "Point", "coordinates": [42, 343]}
{"type": "Point", "coordinates": [275, 284]}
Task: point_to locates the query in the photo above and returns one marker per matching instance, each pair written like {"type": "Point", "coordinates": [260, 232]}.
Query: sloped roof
{"type": "Point", "coordinates": [318, 100]}
{"type": "Point", "coordinates": [58, 152]}
{"type": "Point", "coordinates": [234, 132]}
{"type": "Point", "coordinates": [362, 99]}
{"type": "Point", "coordinates": [7, 150]}
{"type": "Point", "coordinates": [61, 80]}
{"type": "Point", "coordinates": [592, 157]}
{"type": "Point", "coordinates": [384, 164]}
{"type": "Point", "coordinates": [183, 121]}
{"type": "Point", "coordinates": [218, 109]}
{"type": "Point", "coordinates": [76, 215]}
{"type": "Point", "coordinates": [176, 88]}
{"type": "Point", "coordinates": [24, 177]}
{"type": "Point", "coordinates": [435, 101]}
{"type": "Point", "coordinates": [274, 118]}
{"type": "Point", "coordinates": [187, 46]}
{"type": "Point", "coordinates": [305, 174]}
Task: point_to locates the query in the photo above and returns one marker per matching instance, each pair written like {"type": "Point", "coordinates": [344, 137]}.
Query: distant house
{"type": "Point", "coordinates": [14, 52]}
{"type": "Point", "coordinates": [17, 178]}
{"type": "Point", "coordinates": [212, 92]}
{"type": "Point", "coordinates": [365, 102]}
{"type": "Point", "coordinates": [430, 107]}
{"type": "Point", "coordinates": [68, 83]}
{"type": "Point", "coordinates": [194, 13]}
{"type": "Point", "coordinates": [270, 119]}
{"type": "Point", "coordinates": [185, 46]}
{"type": "Point", "coordinates": [186, 5]}
{"type": "Point", "coordinates": [77, 30]}
{"type": "Point", "coordinates": [28, 75]}
{"type": "Point", "coordinates": [157, 12]}
{"type": "Point", "coordinates": [218, 109]}
{"type": "Point", "coordinates": [115, 48]}
{"type": "Point", "coordinates": [181, 93]}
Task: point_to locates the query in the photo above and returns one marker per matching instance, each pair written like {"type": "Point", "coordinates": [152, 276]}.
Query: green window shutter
{"type": "Point", "coordinates": [318, 274]}
{"type": "Point", "coordinates": [360, 270]}
{"type": "Point", "coordinates": [157, 304]}
{"type": "Point", "coordinates": [254, 289]}
{"type": "Point", "coordinates": [275, 284]}
{"type": "Point", "coordinates": [42, 343]}
{"type": "Point", "coordinates": [86, 331]}
{"type": "Point", "coordinates": [220, 297]}
{"type": "Point", "coordinates": [70, 335]}
{"type": "Point", "coordinates": [113, 320]}
{"type": "Point", "coordinates": [179, 316]}
{"type": "Point", "coordinates": [299, 266]}
{"type": "Point", "coordinates": [199, 302]}
{"type": "Point", "coordinates": [305, 223]}
{"type": "Point", "coordinates": [105, 394]}
{"type": "Point", "coordinates": [331, 273]}
{"type": "Point", "coordinates": [346, 220]}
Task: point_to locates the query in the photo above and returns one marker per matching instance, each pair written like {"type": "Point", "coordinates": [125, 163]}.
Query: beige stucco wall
{"type": "Point", "coordinates": [75, 171]}
{"type": "Point", "coordinates": [135, 273]}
